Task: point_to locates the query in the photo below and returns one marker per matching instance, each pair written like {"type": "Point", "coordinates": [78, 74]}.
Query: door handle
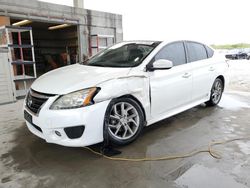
{"type": "Point", "coordinates": [211, 69]}
{"type": "Point", "coordinates": [186, 75]}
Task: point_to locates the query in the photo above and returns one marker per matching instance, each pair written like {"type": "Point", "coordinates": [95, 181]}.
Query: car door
{"type": "Point", "coordinates": [203, 70]}
{"type": "Point", "coordinates": [170, 88]}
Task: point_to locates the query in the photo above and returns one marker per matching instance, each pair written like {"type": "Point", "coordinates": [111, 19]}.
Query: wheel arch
{"type": "Point", "coordinates": [222, 79]}
{"type": "Point", "coordinates": [138, 102]}
{"type": "Point", "coordinates": [108, 138]}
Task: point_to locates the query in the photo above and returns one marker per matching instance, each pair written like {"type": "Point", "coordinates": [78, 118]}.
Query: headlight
{"type": "Point", "coordinates": [75, 99]}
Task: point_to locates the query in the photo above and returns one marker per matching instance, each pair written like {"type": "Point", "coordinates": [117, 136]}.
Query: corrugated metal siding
{"type": "Point", "coordinates": [6, 93]}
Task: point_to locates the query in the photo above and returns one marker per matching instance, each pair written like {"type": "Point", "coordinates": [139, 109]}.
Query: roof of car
{"type": "Point", "coordinates": [151, 42]}
{"type": "Point", "coordinates": [146, 42]}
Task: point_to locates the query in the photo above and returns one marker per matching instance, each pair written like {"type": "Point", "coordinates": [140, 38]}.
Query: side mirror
{"type": "Point", "coordinates": [160, 64]}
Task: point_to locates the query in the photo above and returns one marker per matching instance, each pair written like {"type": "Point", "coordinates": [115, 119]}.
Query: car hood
{"type": "Point", "coordinates": [75, 77]}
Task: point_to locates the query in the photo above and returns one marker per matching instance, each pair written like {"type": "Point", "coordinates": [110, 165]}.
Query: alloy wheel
{"type": "Point", "coordinates": [217, 91]}
{"type": "Point", "coordinates": [124, 121]}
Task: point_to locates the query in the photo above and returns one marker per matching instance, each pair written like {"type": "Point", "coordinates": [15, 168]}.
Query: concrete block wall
{"type": "Point", "coordinates": [88, 21]}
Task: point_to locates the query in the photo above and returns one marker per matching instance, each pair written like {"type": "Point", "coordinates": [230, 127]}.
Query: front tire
{"type": "Point", "coordinates": [216, 92]}
{"type": "Point", "coordinates": [123, 121]}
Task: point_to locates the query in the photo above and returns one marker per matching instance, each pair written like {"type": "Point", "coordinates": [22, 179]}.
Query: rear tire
{"type": "Point", "coordinates": [216, 92]}
{"type": "Point", "coordinates": [123, 121]}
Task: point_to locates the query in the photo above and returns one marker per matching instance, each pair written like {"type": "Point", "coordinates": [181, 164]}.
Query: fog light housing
{"type": "Point", "coordinates": [58, 133]}
{"type": "Point", "coordinates": [74, 132]}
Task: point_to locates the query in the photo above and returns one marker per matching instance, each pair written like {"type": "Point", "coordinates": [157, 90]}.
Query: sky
{"type": "Point", "coordinates": [209, 21]}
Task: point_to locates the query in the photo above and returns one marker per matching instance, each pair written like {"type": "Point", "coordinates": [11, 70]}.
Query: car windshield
{"type": "Point", "coordinates": [122, 55]}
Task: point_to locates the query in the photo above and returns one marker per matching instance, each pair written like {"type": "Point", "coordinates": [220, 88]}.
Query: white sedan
{"type": "Point", "coordinates": [123, 88]}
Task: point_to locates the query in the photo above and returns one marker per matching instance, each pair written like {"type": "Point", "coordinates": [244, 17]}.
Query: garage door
{"type": "Point", "coordinates": [6, 92]}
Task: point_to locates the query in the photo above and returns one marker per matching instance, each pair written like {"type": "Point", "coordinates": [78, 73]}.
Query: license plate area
{"type": "Point", "coordinates": [28, 117]}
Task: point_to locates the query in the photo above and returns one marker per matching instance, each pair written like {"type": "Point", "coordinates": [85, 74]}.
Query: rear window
{"type": "Point", "coordinates": [196, 51]}
{"type": "Point", "coordinates": [210, 52]}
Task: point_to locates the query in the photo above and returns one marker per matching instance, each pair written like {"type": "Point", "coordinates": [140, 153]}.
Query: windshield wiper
{"type": "Point", "coordinates": [83, 62]}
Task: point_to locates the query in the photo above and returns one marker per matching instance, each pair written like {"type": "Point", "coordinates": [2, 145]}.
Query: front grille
{"type": "Point", "coordinates": [35, 100]}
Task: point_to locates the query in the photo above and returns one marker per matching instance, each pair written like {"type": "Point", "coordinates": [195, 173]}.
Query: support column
{"type": "Point", "coordinates": [79, 3]}
{"type": "Point", "coordinates": [83, 42]}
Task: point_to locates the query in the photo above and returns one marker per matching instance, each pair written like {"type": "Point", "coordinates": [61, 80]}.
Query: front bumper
{"type": "Point", "coordinates": [52, 121]}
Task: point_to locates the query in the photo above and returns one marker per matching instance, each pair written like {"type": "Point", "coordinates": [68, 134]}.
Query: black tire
{"type": "Point", "coordinates": [109, 132]}
{"type": "Point", "coordinates": [216, 92]}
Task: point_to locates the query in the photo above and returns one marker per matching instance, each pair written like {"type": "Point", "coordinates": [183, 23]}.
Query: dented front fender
{"type": "Point", "coordinates": [135, 85]}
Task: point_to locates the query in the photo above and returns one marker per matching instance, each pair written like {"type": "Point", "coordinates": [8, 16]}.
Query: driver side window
{"type": "Point", "coordinates": [174, 52]}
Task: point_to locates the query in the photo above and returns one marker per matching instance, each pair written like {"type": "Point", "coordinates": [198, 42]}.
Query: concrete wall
{"type": "Point", "coordinates": [88, 21]}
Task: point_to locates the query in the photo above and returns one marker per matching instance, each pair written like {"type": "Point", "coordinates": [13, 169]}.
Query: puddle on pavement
{"type": "Point", "coordinates": [244, 147]}
{"type": "Point", "coordinates": [230, 103]}
{"type": "Point", "coordinates": [200, 176]}
{"type": "Point", "coordinates": [179, 171]}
